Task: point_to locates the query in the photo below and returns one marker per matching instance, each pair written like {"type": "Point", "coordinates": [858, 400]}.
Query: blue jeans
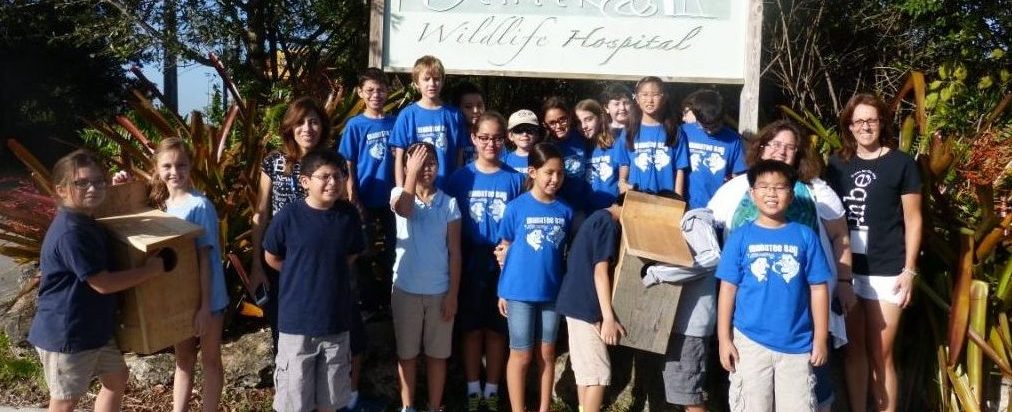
{"type": "Point", "coordinates": [531, 321]}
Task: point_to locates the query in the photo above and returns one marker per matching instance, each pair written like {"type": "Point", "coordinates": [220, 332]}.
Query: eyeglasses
{"type": "Point", "coordinates": [562, 121]}
{"type": "Point", "coordinates": [369, 92]}
{"type": "Point", "coordinates": [85, 184]}
{"type": "Point", "coordinates": [486, 139]}
{"type": "Point", "coordinates": [328, 178]}
{"type": "Point", "coordinates": [528, 130]}
{"type": "Point", "coordinates": [777, 145]}
{"type": "Point", "coordinates": [649, 95]}
{"type": "Point", "coordinates": [864, 122]}
{"type": "Point", "coordinates": [772, 189]}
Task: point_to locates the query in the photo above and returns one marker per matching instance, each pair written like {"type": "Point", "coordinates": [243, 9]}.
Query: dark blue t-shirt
{"type": "Point", "coordinates": [537, 231]}
{"type": "Point", "coordinates": [482, 199]}
{"type": "Point", "coordinates": [517, 162]}
{"type": "Point", "coordinates": [364, 142]}
{"type": "Point", "coordinates": [575, 156]}
{"type": "Point", "coordinates": [314, 295]}
{"type": "Point", "coordinates": [445, 127]}
{"type": "Point", "coordinates": [713, 159]}
{"type": "Point", "coordinates": [595, 242]}
{"type": "Point", "coordinates": [72, 316]}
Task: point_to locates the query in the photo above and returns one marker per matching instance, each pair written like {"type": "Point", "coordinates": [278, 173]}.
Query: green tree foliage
{"type": "Point", "coordinates": [49, 81]}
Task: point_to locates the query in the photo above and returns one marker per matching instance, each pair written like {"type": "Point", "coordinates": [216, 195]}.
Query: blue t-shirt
{"type": "Point", "coordinates": [483, 196]}
{"type": "Point", "coordinates": [422, 265]}
{"type": "Point", "coordinates": [71, 316]}
{"type": "Point", "coordinates": [364, 142]}
{"type": "Point", "coordinates": [575, 156]}
{"type": "Point", "coordinates": [773, 269]}
{"type": "Point", "coordinates": [603, 174]}
{"type": "Point", "coordinates": [198, 210]}
{"type": "Point", "coordinates": [652, 164]}
{"type": "Point", "coordinates": [444, 127]}
{"type": "Point", "coordinates": [595, 242]}
{"type": "Point", "coordinates": [314, 295]}
{"type": "Point", "coordinates": [537, 231]}
{"type": "Point", "coordinates": [713, 159]}
{"type": "Point", "coordinates": [517, 162]}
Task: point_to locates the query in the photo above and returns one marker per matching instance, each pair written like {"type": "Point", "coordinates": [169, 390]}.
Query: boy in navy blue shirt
{"type": "Point", "coordinates": [585, 300]}
{"type": "Point", "coordinates": [312, 242]}
{"type": "Point", "coordinates": [429, 120]}
{"type": "Point", "coordinates": [773, 292]}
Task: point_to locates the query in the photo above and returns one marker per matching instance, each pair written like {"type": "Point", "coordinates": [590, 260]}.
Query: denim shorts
{"type": "Point", "coordinates": [529, 322]}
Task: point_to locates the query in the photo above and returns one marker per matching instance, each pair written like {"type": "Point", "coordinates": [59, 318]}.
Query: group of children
{"type": "Point", "coordinates": [496, 244]}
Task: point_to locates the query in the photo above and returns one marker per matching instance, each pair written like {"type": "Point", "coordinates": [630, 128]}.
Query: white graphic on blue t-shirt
{"type": "Point", "coordinates": [601, 169]}
{"type": "Point", "coordinates": [653, 154]}
{"type": "Point", "coordinates": [574, 166]}
{"type": "Point", "coordinates": [542, 229]}
{"type": "Point", "coordinates": [433, 134]}
{"type": "Point", "coordinates": [784, 258]}
{"type": "Point", "coordinates": [706, 155]}
{"type": "Point", "coordinates": [487, 203]}
{"type": "Point", "coordinates": [377, 142]}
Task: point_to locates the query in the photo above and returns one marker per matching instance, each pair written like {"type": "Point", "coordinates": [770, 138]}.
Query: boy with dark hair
{"type": "Point", "coordinates": [468, 99]}
{"type": "Point", "coordinates": [773, 304]}
{"type": "Point", "coordinates": [312, 242]}
{"type": "Point", "coordinates": [429, 120]}
{"type": "Point", "coordinates": [616, 100]}
{"type": "Point", "coordinates": [716, 152]}
{"type": "Point", "coordinates": [370, 178]}
{"type": "Point", "coordinates": [585, 299]}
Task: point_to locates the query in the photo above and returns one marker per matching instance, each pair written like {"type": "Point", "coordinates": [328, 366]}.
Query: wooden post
{"type": "Point", "coordinates": [748, 112]}
{"type": "Point", "coordinates": [377, 8]}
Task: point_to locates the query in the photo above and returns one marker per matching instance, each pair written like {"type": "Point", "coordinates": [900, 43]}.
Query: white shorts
{"type": "Point", "coordinates": [876, 288]}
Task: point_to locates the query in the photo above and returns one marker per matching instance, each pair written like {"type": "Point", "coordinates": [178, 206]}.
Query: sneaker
{"type": "Point", "coordinates": [473, 402]}
{"type": "Point", "coordinates": [492, 403]}
{"type": "Point", "coordinates": [408, 409]}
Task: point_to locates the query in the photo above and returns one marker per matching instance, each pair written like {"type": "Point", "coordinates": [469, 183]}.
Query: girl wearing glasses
{"type": "Point", "coordinates": [657, 156]}
{"type": "Point", "coordinates": [575, 154]}
{"type": "Point", "coordinates": [815, 204]}
{"type": "Point", "coordinates": [482, 189]}
{"type": "Point", "coordinates": [881, 189]}
{"type": "Point", "coordinates": [608, 162]}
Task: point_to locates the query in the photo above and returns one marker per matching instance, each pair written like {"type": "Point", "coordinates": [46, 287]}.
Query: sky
{"type": "Point", "coordinates": [195, 84]}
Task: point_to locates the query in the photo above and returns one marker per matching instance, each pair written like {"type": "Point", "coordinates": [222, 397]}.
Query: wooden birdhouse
{"type": "Point", "coordinates": [159, 312]}
{"type": "Point", "coordinates": [651, 231]}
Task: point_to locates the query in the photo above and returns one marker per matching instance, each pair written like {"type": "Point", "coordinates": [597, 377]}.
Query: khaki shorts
{"type": "Point", "coordinates": [765, 380]}
{"type": "Point", "coordinates": [588, 353]}
{"type": "Point", "coordinates": [69, 375]}
{"type": "Point", "coordinates": [312, 372]}
{"type": "Point", "coordinates": [418, 322]}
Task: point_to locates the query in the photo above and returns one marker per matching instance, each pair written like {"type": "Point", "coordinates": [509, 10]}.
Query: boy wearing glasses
{"type": "Point", "coordinates": [524, 132]}
{"type": "Point", "coordinates": [773, 304]}
{"type": "Point", "coordinates": [716, 152]}
{"type": "Point", "coordinates": [312, 243]}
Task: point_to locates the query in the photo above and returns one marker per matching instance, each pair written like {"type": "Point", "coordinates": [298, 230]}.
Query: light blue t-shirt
{"type": "Point", "coordinates": [537, 231]}
{"type": "Point", "coordinates": [575, 156]}
{"type": "Point", "coordinates": [517, 162]}
{"type": "Point", "coordinates": [422, 265]}
{"type": "Point", "coordinates": [713, 160]}
{"type": "Point", "coordinates": [773, 269]}
{"type": "Point", "coordinates": [364, 141]}
{"type": "Point", "coordinates": [444, 127]}
{"type": "Point", "coordinates": [483, 197]}
{"type": "Point", "coordinates": [603, 174]}
{"type": "Point", "coordinates": [198, 210]}
{"type": "Point", "coordinates": [652, 164]}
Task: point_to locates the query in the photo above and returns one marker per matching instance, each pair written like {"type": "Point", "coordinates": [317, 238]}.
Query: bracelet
{"type": "Point", "coordinates": [847, 281]}
{"type": "Point", "coordinates": [912, 272]}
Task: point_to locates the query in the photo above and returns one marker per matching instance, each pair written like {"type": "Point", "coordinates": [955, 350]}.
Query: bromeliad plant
{"type": "Point", "coordinates": [226, 163]}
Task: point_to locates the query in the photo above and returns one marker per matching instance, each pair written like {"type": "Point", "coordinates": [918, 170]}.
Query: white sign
{"type": "Point", "coordinates": [677, 40]}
